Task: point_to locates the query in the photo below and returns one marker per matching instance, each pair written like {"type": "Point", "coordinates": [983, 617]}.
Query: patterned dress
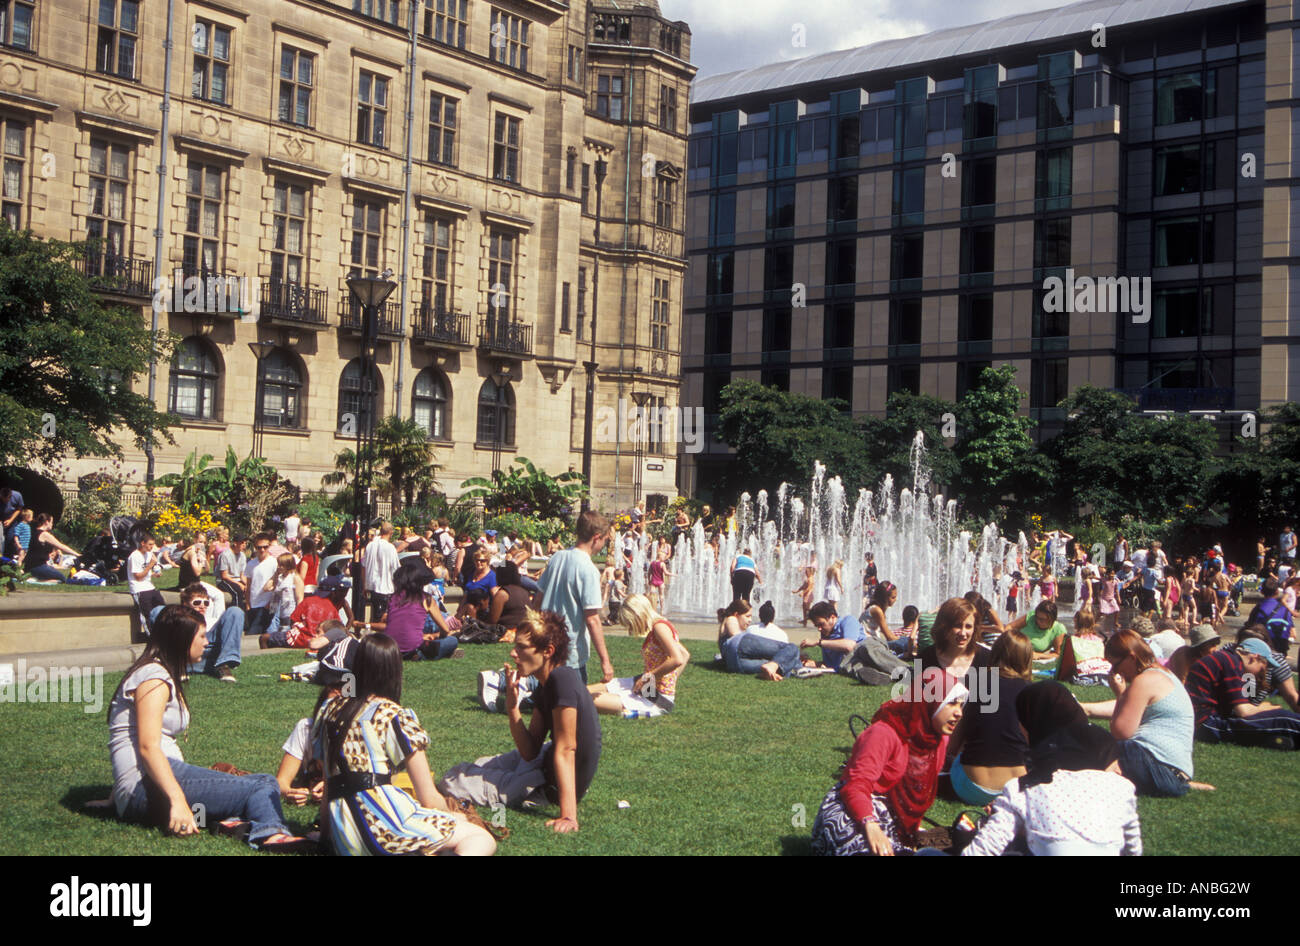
{"type": "Point", "coordinates": [836, 833]}
{"type": "Point", "coordinates": [383, 819]}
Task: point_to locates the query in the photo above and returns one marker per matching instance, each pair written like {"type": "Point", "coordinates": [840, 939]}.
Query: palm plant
{"type": "Point", "coordinates": [400, 458]}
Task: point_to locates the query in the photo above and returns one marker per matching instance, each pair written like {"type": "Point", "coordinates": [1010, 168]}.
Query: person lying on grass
{"type": "Point", "coordinates": [890, 779]}
{"type": "Point", "coordinates": [152, 783]}
{"type": "Point", "coordinates": [538, 771]}
{"type": "Point", "coordinates": [1152, 718]}
{"type": "Point", "coordinates": [838, 636]}
{"type": "Point", "coordinates": [762, 649]}
{"type": "Point", "coordinates": [363, 736]}
{"type": "Point", "coordinates": [654, 692]}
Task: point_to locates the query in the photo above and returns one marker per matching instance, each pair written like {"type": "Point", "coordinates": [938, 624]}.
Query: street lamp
{"type": "Point", "coordinates": [260, 350]}
{"type": "Point", "coordinates": [501, 377]}
{"type": "Point", "coordinates": [369, 293]}
{"type": "Point", "coordinates": [640, 399]}
{"type": "Point", "coordinates": [590, 365]}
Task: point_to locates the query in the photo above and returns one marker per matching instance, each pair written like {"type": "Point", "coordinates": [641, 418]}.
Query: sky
{"type": "Point", "coordinates": [727, 35]}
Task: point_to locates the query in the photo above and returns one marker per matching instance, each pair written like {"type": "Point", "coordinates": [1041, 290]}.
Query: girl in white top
{"type": "Point", "coordinates": [286, 587]}
{"type": "Point", "coordinates": [151, 781]}
{"type": "Point", "coordinates": [834, 582]}
{"type": "Point", "coordinates": [1074, 801]}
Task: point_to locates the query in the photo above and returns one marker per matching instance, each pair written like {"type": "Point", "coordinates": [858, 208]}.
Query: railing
{"type": "Point", "coordinates": [219, 293]}
{"type": "Point", "coordinates": [118, 274]}
{"type": "Point", "coordinates": [499, 335]}
{"type": "Point", "coordinates": [390, 318]}
{"type": "Point", "coordinates": [1182, 399]}
{"type": "Point", "coordinates": [293, 303]}
{"type": "Point", "coordinates": [441, 328]}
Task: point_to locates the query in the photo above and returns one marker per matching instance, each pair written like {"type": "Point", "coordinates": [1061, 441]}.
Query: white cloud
{"type": "Point", "coordinates": [727, 35]}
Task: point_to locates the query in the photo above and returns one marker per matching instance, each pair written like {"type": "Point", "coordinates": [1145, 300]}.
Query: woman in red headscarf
{"type": "Point", "coordinates": [890, 778]}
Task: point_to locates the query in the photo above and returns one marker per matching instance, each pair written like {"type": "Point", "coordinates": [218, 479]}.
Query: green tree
{"type": "Point", "coordinates": [1256, 487]}
{"type": "Point", "coordinates": [889, 440]}
{"type": "Point", "coordinates": [996, 455]}
{"type": "Point", "coordinates": [65, 354]}
{"type": "Point", "coordinates": [405, 455]}
{"type": "Point", "coordinates": [778, 436]}
{"type": "Point", "coordinates": [1120, 462]}
{"type": "Point", "coordinates": [524, 489]}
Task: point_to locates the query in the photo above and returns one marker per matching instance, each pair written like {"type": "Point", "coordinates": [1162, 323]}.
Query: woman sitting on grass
{"type": "Point", "coordinates": [362, 740]}
{"type": "Point", "coordinates": [655, 691]}
{"type": "Point", "coordinates": [1045, 632]}
{"type": "Point", "coordinates": [152, 783]}
{"type": "Point", "coordinates": [1152, 717]}
{"type": "Point", "coordinates": [732, 622]}
{"type": "Point", "coordinates": [558, 770]}
{"type": "Point", "coordinates": [991, 747]}
{"type": "Point", "coordinates": [1073, 801]}
{"type": "Point", "coordinates": [892, 773]}
{"type": "Point", "coordinates": [1083, 661]}
{"type": "Point", "coordinates": [414, 620]}
{"type": "Point", "coordinates": [956, 650]}
{"type": "Point", "coordinates": [873, 619]}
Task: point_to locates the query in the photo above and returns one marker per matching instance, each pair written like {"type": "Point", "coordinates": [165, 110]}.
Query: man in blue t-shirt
{"type": "Point", "coordinates": [839, 635]}
{"type": "Point", "coordinates": [571, 587]}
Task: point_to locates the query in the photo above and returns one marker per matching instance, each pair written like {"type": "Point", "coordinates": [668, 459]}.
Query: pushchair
{"type": "Point", "coordinates": [106, 555]}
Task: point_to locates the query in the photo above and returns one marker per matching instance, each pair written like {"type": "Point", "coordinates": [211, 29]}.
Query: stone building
{"type": "Point", "coordinates": [291, 128]}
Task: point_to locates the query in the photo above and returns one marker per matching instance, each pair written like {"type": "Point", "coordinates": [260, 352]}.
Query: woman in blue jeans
{"type": "Point", "coordinates": [42, 548]}
{"type": "Point", "coordinates": [152, 783]}
{"type": "Point", "coordinates": [760, 650]}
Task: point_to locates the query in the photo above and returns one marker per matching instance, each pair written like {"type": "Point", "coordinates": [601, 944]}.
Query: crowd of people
{"type": "Point", "coordinates": [979, 708]}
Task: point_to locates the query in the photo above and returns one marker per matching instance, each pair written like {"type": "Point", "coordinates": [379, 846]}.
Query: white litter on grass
{"type": "Point", "coordinates": [623, 804]}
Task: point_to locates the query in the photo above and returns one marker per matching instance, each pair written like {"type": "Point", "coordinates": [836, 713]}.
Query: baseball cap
{"type": "Point", "coordinates": [330, 583]}
{"type": "Point", "coordinates": [1203, 633]}
{"type": "Point", "coordinates": [1253, 645]}
{"type": "Point", "coordinates": [337, 663]}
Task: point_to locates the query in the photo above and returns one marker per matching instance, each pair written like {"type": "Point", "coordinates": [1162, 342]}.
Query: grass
{"type": "Point", "coordinates": [167, 581]}
{"type": "Point", "coordinates": [721, 775]}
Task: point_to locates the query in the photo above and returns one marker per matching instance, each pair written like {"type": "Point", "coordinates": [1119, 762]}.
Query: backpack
{"type": "Point", "coordinates": [1277, 621]}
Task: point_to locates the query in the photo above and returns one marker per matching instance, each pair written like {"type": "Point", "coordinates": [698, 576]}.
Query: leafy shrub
{"type": "Point", "coordinates": [538, 530]}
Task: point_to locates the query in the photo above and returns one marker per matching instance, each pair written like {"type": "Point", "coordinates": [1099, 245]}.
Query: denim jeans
{"type": "Point", "coordinates": [746, 653]}
{"type": "Point", "coordinates": [1148, 774]}
{"type": "Point", "coordinates": [378, 606]}
{"type": "Point", "coordinates": [261, 621]}
{"type": "Point", "coordinates": [254, 798]}
{"type": "Point", "coordinates": [1273, 729]}
{"type": "Point", "coordinates": [529, 584]}
{"type": "Point", "coordinates": [47, 573]}
{"type": "Point", "coordinates": [223, 641]}
{"type": "Point", "coordinates": [435, 650]}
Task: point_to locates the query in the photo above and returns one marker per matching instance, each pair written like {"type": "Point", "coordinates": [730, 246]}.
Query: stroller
{"type": "Point", "coordinates": [106, 555]}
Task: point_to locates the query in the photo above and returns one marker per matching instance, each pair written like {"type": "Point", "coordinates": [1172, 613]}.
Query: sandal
{"type": "Point", "coordinates": [233, 828]}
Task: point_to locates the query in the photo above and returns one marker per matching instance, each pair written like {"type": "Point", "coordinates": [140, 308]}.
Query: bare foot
{"type": "Point", "coordinates": [769, 672]}
{"type": "Point", "coordinates": [1201, 786]}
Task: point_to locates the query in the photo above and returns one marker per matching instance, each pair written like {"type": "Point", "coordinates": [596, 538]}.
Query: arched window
{"type": "Point", "coordinates": [282, 382]}
{"type": "Point", "coordinates": [496, 414]}
{"type": "Point", "coordinates": [192, 391]}
{"type": "Point", "coordinates": [359, 398]}
{"type": "Point", "coordinates": [429, 404]}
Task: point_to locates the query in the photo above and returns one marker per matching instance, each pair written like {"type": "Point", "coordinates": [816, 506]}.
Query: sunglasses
{"type": "Point", "coordinates": [199, 603]}
{"type": "Point", "coordinates": [262, 548]}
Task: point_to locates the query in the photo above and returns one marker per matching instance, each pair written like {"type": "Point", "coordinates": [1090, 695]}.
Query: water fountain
{"type": "Point", "coordinates": [913, 535]}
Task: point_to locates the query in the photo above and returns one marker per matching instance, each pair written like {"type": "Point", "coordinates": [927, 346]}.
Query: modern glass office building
{"type": "Point", "coordinates": [901, 215]}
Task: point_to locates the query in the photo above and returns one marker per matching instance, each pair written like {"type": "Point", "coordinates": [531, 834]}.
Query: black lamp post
{"type": "Point", "coordinates": [369, 293]}
{"type": "Point", "coordinates": [640, 399]}
{"type": "Point", "coordinates": [260, 350]}
{"type": "Point", "coordinates": [590, 365]}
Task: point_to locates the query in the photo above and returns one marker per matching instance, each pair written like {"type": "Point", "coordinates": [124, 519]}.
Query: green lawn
{"type": "Point", "coordinates": [722, 775]}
